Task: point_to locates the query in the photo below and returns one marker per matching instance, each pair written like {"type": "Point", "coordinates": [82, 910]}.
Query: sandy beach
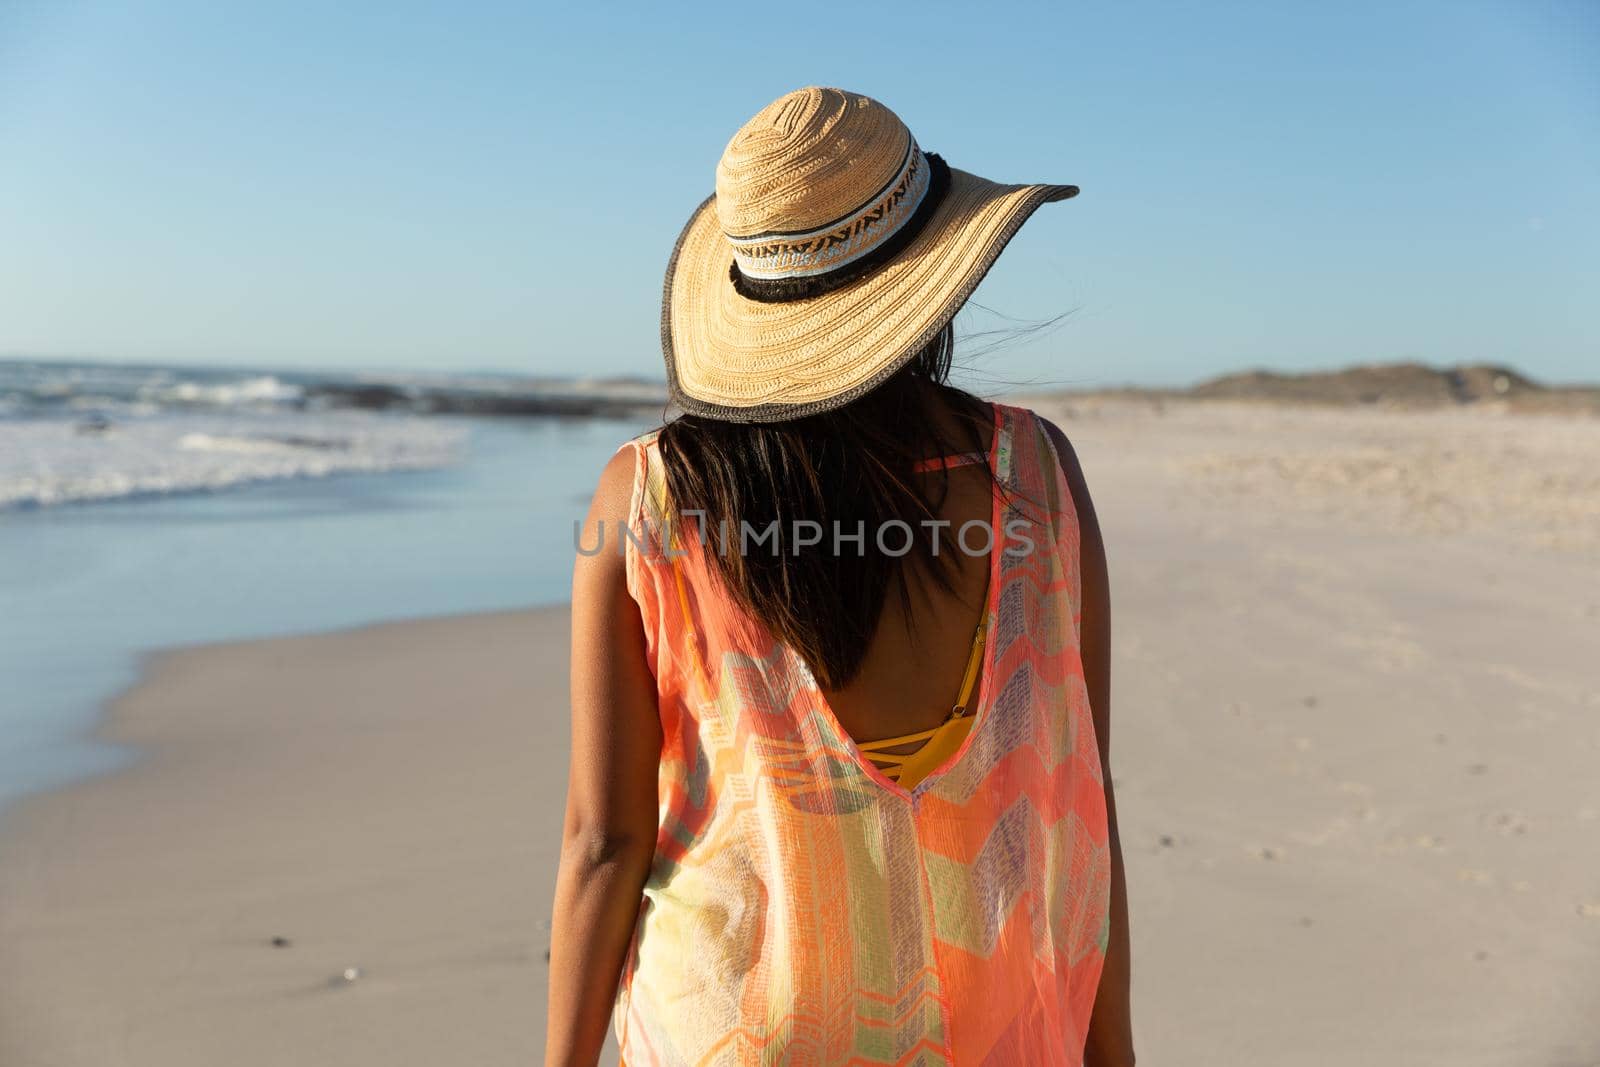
{"type": "Point", "coordinates": [1356, 704]}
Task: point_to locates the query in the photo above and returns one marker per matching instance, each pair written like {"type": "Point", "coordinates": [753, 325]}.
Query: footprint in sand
{"type": "Point", "coordinates": [1508, 823]}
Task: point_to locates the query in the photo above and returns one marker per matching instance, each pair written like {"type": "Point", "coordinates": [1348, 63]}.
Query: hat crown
{"type": "Point", "coordinates": [808, 159]}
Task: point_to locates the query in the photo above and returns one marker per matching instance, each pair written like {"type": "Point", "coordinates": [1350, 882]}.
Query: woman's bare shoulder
{"type": "Point", "coordinates": [613, 494]}
{"type": "Point", "coordinates": [598, 573]}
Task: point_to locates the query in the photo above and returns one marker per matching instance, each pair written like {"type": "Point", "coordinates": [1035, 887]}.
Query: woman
{"type": "Point", "coordinates": [839, 784]}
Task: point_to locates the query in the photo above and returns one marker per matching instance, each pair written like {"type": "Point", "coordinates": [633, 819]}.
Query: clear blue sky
{"type": "Point", "coordinates": [470, 186]}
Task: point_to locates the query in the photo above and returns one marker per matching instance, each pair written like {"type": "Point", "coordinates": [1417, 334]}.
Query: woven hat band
{"type": "Point", "coordinates": [778, 267]}
{"type": "Point", "coordinates": [842, 241]}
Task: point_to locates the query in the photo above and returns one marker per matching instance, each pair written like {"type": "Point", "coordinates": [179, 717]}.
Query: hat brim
{"type": "Point", "coordinates": [732, 358]}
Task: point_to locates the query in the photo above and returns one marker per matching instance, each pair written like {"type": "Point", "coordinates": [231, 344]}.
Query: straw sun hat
{"type": "Point", "coordinates": [833, 250]}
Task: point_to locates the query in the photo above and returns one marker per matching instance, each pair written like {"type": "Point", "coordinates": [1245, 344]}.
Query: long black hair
{"type": "Point", "coordinates": [848, 470]}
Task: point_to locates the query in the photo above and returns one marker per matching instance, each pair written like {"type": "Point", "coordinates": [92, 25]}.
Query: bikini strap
{"type": "Point", "coordinates": [959, 459]}
{"type": "Point", "coordinates": [884, 742]}
{"type": "Point", "coordinates": [974, 664]}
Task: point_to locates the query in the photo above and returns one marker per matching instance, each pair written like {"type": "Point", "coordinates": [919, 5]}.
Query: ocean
{"type": "Point", "coordinates": [148, 506]}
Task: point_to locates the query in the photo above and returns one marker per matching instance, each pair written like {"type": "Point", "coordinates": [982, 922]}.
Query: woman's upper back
{"type": "Point", "coordinates": [915, 666]}
{"type": "Point", "coordinates": [801, 899]}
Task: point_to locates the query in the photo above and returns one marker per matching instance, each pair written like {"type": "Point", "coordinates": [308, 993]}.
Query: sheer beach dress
{"type": "Point", "coordinates": [806, 906]}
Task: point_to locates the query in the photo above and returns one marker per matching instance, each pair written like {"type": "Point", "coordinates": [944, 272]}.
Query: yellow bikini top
{"type": "Point", "coordinates": [909, 768]}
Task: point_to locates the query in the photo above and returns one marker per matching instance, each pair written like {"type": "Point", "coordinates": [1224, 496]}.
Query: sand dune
{"type": "Point", "coordinates": [1484, 387]}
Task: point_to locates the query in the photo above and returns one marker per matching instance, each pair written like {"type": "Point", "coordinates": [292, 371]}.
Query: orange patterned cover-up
{"type": "Point", "coordinates": [804, 909]}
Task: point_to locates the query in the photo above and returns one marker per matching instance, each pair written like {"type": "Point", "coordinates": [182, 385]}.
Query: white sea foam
{"type": "Point", "coordinates": [261, 391]}
{"type": "Point", "coordinates": [46, 462]}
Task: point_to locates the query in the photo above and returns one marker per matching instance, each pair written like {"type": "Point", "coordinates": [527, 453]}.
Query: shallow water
{"type": "Point", "coordinates": [85, 588]}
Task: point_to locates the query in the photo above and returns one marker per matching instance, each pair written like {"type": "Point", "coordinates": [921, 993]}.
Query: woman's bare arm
{"type": "Point", "coordinates": [1110, 1040]}
{"type": "Point", "coordinates": [609, 832]}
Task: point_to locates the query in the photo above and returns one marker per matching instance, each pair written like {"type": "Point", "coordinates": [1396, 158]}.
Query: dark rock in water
{"type": "Point", "coordinates": [625, 398]}
{"type": "Point", "coordinates": [581, 406]}
{"type": "Point", "coordinates": [371, 397]}
{"type": "Point", "coordinates": [320, 444]}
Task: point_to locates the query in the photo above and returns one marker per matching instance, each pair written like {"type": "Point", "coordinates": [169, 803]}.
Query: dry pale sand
{"type": "Point", "coordinates": [1357, 708]}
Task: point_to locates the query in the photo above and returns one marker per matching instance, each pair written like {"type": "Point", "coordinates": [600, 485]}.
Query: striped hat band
{"type": "Point", "coordinates": [844, 241]}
